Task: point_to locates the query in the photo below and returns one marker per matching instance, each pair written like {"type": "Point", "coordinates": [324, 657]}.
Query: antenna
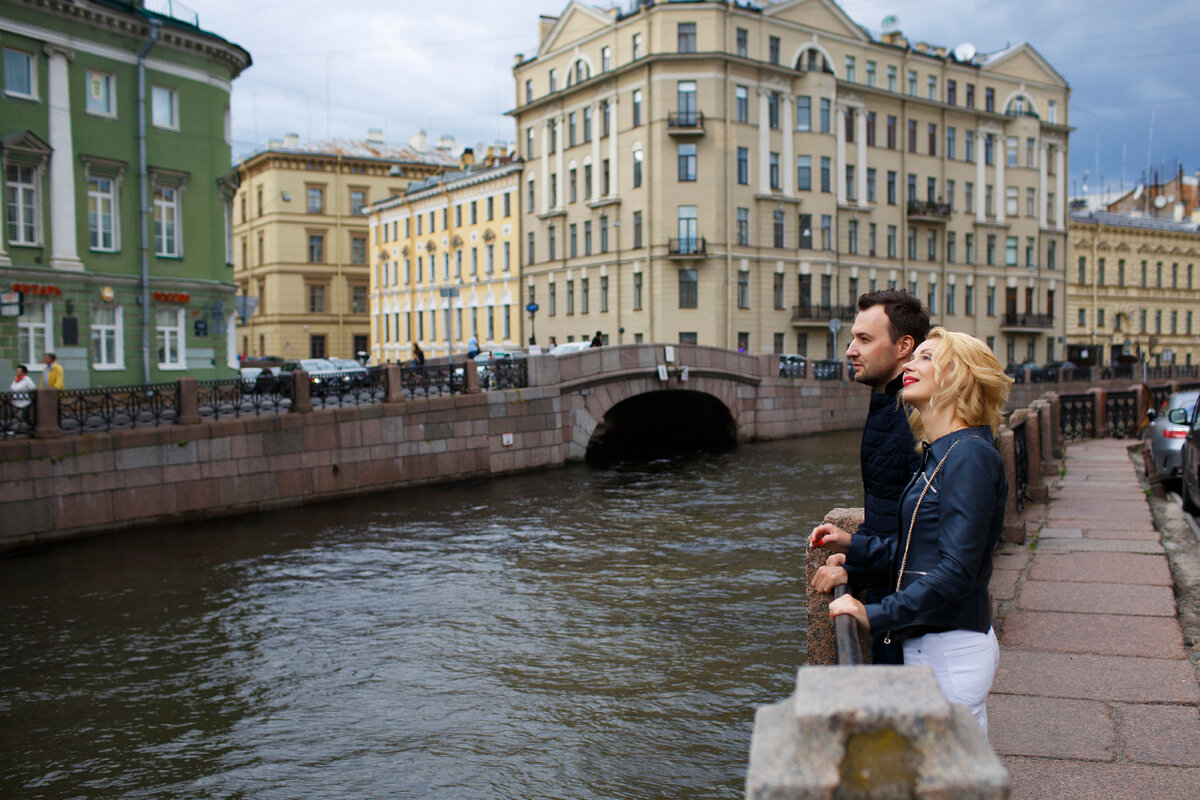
{"type": "Point", "coordinates": [964, 52]}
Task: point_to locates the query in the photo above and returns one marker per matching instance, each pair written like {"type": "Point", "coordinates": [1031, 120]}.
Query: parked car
{"type": "Point", "coordinates": [1165, 435]}
{"type": "Point", "coordinates": [320, 370]}
{"type": "Point", "coordinates": [829, 369]}
{"type": "Point", "coordinates": [570, 347]}
{"type": "Point", "coordinates": [791, 366]}
{"type": "Point", "coordinates": [1189, 459]}
{"type": "Point", "coordinates": [351, 370]}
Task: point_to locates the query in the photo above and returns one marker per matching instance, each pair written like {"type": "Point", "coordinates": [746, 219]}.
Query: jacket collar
{"type": "Point", "coordinates": [938, 448]}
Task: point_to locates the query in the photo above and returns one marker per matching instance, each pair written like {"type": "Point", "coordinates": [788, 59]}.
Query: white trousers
{"type": "Point", "coordinates": [964, 663]}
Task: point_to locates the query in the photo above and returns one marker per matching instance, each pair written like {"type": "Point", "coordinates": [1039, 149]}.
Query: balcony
{"type": "Point", "coordinates": [928, 211]}
{"type": "Point", "coordinates": [820, 315]}
{"type": "Point", "coordinates": [685, 123]}
{"type": "Point", "coordinates": [690, 247]}
{"type": "Point", "coordinates": [1026, 322]}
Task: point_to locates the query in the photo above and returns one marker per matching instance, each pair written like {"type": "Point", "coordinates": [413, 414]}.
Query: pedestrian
{"type": "Point", "coordinates": [472, 346]}
{"type": "Point", "coordinates": [553, 344]}
{"type": "Point", "coordinates": [598, 340]}
{"type": "Point", "coordinates": [889, 326]}
{"type": "Point", "coordinates": [940, 566]}
{"type": "Point", "coordinates": [53, 375]}
{"type": "Point", "coordinates": [22, 395]}
{"type": "Point", "coordinates": [418, 359]}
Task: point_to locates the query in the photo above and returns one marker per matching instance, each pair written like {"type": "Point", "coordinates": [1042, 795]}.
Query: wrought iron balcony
{"type": "Point", "coordinates": [1028, 321]}
{"type": "Point", "coordinates": [928, 211]}
{"type": "Point", "coordinates": [821, 314]}
{"type": "Point", "coordinates": [689, 246]}
{"type": "Point", "coordinates": [685, 123]}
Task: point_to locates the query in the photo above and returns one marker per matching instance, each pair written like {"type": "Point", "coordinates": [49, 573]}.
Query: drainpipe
{"type": "Point", "coordinates": [144, 195]}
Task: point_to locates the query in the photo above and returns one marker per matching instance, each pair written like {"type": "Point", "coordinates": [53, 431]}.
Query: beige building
{"type": "Point", "coordinates": [301, 237]}
{"type": "Point", "coordinates": [445, 265]}
{"type": "Point", "coordinates": [737, 176]}
{"type": "Point", "coordinates": [1133, 292]}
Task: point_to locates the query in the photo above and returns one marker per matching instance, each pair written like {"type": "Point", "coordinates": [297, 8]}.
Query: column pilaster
{"type": "Point", "coordinates": [764, 143]}
{"type": "Point", "coordinates": [980, 185]}
{"type": "Point", "coordinates": [64, 253]}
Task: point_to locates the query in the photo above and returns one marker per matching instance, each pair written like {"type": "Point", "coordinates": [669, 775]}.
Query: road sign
{"type": "Point", "coordinates": [835, 324]}
{"type": "Point", "coordinates": [10, 304]}
{"type": "Point", "coordinates": [531, 308]}
{"type": "Point", "coordinates": [244, 306]}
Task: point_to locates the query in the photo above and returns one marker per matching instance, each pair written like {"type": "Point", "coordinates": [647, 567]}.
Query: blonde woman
{"type": "Point", "coordinates": [950, 519]}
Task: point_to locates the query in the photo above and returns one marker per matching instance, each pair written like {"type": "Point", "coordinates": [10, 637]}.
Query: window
{"type": "Point", "coordinates": [743, 288]}
{"type": "Point", "coordinates": [316, 298]}
{"type": "Point", "coordinates": [605, 59]}
{"type": "Point", "coordinates": [970, 248]}
{"type": "Point", "coordinates": [358, 200]}
{"type": "Point", "coordinates": [852, 236]}
{"type": "Point", "coordinates": [804, 234]}
{"type": "Point", "coordinates": [779, 293]}
{"type": "Point", "coordinates": [871, 74]}
{"type": "Point", "coordinates": [553, 81]}
{"type": "Point", "coordinates": [870, 128]}
{"type": "Point", "coordinates": [316, 248]}
{"type": "Point", "coordinates": [742, 103]}
{"type": "Point", "coordinates": [848, 124]}
{"type": "Point", "coordinates": [951, 241]}
{"type": "Point", "coordinates": [912, 245]}
{"type": "Point", "coordinates": [316, 200]}
{"type": "Point", "coordinates": [169, 333]}
{"type": "Point", "coordinates": [1030, 246]}
{"type": "Point", "coordinates": [969, 197]}
{"type": "Point", "coordinates": [529, 138]}
{"type": "Point", "coordinates": [804, 173]}
{"type": "Point", "coordinates": [571, 129]}
{"type": "Point", "coordinates": [969, 301]}
{"type": "Point", "coordinates": [777, 228]}
{"type": "Point", "coordinates": [950, 194]}
{"type": "Point", "coordinates": [102, 213]}
{"type": "Point", "coordinates": [773, 49]}
{"type": "Point", "coordinates": [637, 107]}
{"type": "Point", "coordinates": [912, 136]}
{"type": "Point", "coordinates": [1030, 202]}
{"type": "Point", "coordinates": [912, 82]}
{"type": "Point", "coordinates": [743, 43]}
{"type": "Point", "coordinates": [871, 230]}
{"type": "Point", "coordinates": [989, 205]}
{"type": "Point", "coordinates": [687, 162]}
{"type": "Point", "coordinates": [1051, 112]}
{"type": "Point", "coordinates": [850, 195]}
{"type": "Point", "coordinates": [587, 237]}
{"type": "Point", "coordinates": [892, 236]}
{"type": "Point", "coordinates": [912, 188]}
{"type": "Point", "coordinates": [637, 46]}
{"type": "Point", "coordinates": [891, 79]}
{"type": "Point", "coordinates": [23, 203]}
{"type": "Point", "coordinates": [686, 37]}
{"type": "Point", "coordinates": [585, 300]}
{"type": "Point", "coordinates": [168, 228]}
{"type": "Point", "coordinates": [637, 291]}
{"type": "Point", "coordinates": [743, 165]}
{"type": "Point", "coordinates": [891, 132]}
{"type": "Point", "coordinates": [688, 289]}
{"type": "Point", "coordinates": [528, 90]}
{"type": "Point", "coordinates": [108, 338]}
{"type": "Point", "coordinates": [100, 99]}
{"type": "Point", "coordinates": [826, 232]}
{"type": "Point", "coordinates": [933, 87]}
{"type": "Point", "coordinates": [743, 226]}
{"type": "Point", "coordinates": [20, 79]}
{"type": "Point", "coordinates": [1011, 147]}
{"type": "Point", "coordinates": [989, 149]}
{"type": "Point", "coordinates": [1010, 251]}
{"type": "Point", "coordinates": [951, 92]}
{"type": "Point", "coordinates": [773, 110]}
{"type": "Point", "coordinates": [991, 249]}
{"type": "Point", "coordinates": [891, 187]}
{"type": "Point", "coordinates": [824, 115]}
{"type": "Point", "coordinates": [989, 100]}
{"type": "Point", "coordinates": [637, 173]}
{"type": "Point", "coordinates": [932, 246]}
{"type": "Point", "coordinates": [1031, 153]}
{"type": "Point", "coordinates": [970, 95]}
{"type": "Point", "coordinates": [950, 143]}
{"type": "Point", "coordinates": [1012, 200]}
{"type": "Point", "coordinates": [850, 69]}
{"type": "Point", "coordinates": [1081, 320]}
{"type": "Point", "coordinates": [529, 245]}
{"type": "Point", "coordinates": [603, 233]}
{"type": "Point", "coordinates": [773, 170]}
{"type": "Point", "coordinates": [803, 113]}
{"type": "Point", "coordinates": [932, 137]}
{"type": "Point", "coordinates": [991, 301]}
{"type": "Point", "coordinates": [164, 108]}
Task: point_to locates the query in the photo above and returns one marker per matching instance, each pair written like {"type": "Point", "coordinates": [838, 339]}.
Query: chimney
{"type": "Point", "coordinates": [894, 38]}
{"type": "Point", "coordinates": [291, 140]}
{"type": "Point", "coordinates": [468, 157]}
{"type": "Point", "coordinates": [445, 142]}
{"type": "Point", "coordinates": [374, 135]}
{"type": "Point", "coordinates": [419, 141]}
{"type": "Point", "coordinates": [545, 24]}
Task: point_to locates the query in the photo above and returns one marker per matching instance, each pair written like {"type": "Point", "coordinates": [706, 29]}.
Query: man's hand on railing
{"type": "Point", "coordinates": [831, 536]}
{"type": "Point", "coordinates": [846, 604]}
{"type": "Point", "coordinates": [831, 575]}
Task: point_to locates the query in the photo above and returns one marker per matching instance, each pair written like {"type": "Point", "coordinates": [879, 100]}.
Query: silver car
{"type": "Point", "coordinates": [1167, 431]}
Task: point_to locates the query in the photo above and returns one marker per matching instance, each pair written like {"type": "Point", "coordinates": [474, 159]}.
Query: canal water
{"type": "Point", "coordinates": [574, 633]}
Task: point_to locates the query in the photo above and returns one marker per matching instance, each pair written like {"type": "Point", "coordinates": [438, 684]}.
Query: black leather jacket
{"type": "Point", "coordinates": [949, 565]}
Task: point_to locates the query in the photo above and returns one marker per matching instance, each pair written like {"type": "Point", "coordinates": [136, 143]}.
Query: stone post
{"type": "Point", "coordinates": [1056, 436]}
{"type": "Point", "coordinates": [187, 390]}
{"type": "Point", "coordinates": [1101, 411]}
{"type": "Point", "coordinates": [395, 381]}
{"type": "Point", "coordinates": [45, 406]}
{"type": "Point", "coordinates": [768, 365]}
{"type": "Point", "coordinates": [543, 370]}
{"type": "Point", "coordinates": [301, 386]}
{"type": "Point", "coordinates": [1033, 452]}
{"type": "Point", "coordinates": [1014, 530]}
{"type": "Point", "coordinates": [856, 733]}
{"type": "Point", "coordinates": [821, 647]}
{"type": "Point", "coordinates": [471, 377]}
{"type": "Point", "coordinates": [1045, 419]}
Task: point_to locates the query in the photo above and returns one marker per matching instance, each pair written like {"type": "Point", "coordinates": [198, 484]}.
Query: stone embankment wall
{"type": "Point", "coordinates": [58, 488]}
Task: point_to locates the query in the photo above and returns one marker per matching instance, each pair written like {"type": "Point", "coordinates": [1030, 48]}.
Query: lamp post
{"type": "Point", "coordinates": [532, 308]}
{"type": "Point", "coordinates": [617, 244]}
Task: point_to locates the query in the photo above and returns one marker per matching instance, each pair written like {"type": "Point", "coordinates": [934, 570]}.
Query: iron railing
{"type": "Point", "coordinates": [1020, 464]}
{"type": "Point", "coordinates": [503, 374]}
{"type": "Point", "coordinates": [342, 389]}
{"type": "Point", "coordinates": [928, 208]}
{"type": "Point", "coordinates": [687, 246]}
{"type": "Point", "coordinates": [823, 313]}
{"type": "Point", "coordinates": [236, 397]}
{"type": "Point", "coordinates": [1043, 375]}
{"type": "Point", "coordinates": [1121, 411]}
{"type": "Point", "coordinates": [1077, 374]}
{"type": "Point", "coordinates": [1157, 373]}
{"type": "Point", "coordinates": [432, 380]}
{"type": "Point", "coordinates": [845, 635]}
{"type": "Point", "coordinates": [693, 120]}
{"type": "Point", "coordinates": [117, 407]}
{"type": "Point", "coordinates": [1028, 321]}
{"type": "Point", "coordinates": [18, 414]}
{"type": "Point", "coordinates": [1117, 371]}
{"type": "Point", "coordinates": [1077, 416]}
{"type": "Point", "coordinates": [829, 369]}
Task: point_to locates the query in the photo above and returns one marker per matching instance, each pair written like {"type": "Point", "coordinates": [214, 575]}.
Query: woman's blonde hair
{"type": "Point", "coordinates": [968, 377]}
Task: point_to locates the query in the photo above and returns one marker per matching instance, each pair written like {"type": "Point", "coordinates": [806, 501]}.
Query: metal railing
{"type": "Point", "coordinates": [173, 9]}
{"type": "Point", "coordinates": [1077, 416]}
{"type": "Point", "coordinates": [117, 407]}
{"type": "Point", "coordinates": [1077, 374]}
{"type": "Point", "coordinates": [928, 208]}
{"type": "Point", "coordinates": [1117, 371]}
{"type": "Point", "coordinates": [18, 414]}
{"type": "Point", "coordinates": [503, 374]}
{"type": "Point", "coordinates": [1020, 464]}
{"type": "Point", "coordinates": [685, 120]}
{"type": "Point", "coordinates": [1121, 411]}
{"type": "Point", "coordinates": [687, 246]}
{"type": "Point", "coordinates": [1157, 373]}
{"type": "Point", "coordinates": [342, 389]}
{"type": "Point", "coordinates": [236, 397]}
{"type": "Point", "coordinates": [432, 380]}
{"type": "Point", "coordinates": [829, 369]}
{"type": "Point", "coordinates": [1028, 321]}
{"type": "Point", "coordinates": [1043, 375]}
{"type": "Point", "coordinates": [845, 635]}
{"type": "Point", "coordinates": [823, 312]}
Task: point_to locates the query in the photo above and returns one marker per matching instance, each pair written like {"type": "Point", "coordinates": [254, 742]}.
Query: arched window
{"type": "Point", "coordinates": [813, 60]}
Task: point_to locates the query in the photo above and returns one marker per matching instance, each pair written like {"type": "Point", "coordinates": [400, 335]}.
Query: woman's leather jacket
{"type": "Point", "coordinates": [949, 565]}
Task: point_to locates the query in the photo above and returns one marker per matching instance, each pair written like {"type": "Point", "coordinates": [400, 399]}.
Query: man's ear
{"type": "Point", "coordinates": [905, 347]}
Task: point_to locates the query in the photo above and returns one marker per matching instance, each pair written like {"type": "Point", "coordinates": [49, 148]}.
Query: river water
{"type": "Point", "coordinates": [574, 633]}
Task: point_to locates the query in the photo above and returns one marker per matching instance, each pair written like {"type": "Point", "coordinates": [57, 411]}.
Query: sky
{"type": "Point", "coordinates": [326, 69]}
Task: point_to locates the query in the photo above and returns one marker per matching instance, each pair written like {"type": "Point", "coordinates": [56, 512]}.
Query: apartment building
{"type": "Point", "coordinates": [109, 108]}
{"type": "Point", "coordinates": [737, 175]}
{"type": "Point", "coordinates": [444, 262]}
{"type": "Point", "coordinates": [301, 238]}
{"type": "Point", "coordinates": [1133, 292]}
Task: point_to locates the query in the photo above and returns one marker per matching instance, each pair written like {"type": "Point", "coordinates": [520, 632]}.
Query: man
{"type": "Point", "coordinates": [472, 346]}
{"type": "Point", "coordinates": [53, 374]}
{"type": "Point", "coordinates": [889, 326]}
{"type": "Point", "coordinates": [598, 340]}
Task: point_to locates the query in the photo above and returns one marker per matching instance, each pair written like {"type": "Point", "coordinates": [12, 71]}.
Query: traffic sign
{"type": "Point", "coordinates": [835, 324]}
{"type": "Point", "coordinates": [531, 308]}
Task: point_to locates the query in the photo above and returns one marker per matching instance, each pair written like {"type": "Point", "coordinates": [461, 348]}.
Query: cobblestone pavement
{"type": "Point", "coordinates": [1095, 695]}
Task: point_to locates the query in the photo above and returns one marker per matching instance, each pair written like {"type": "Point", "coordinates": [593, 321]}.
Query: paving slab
{"type": "Point", "coordinates": [1060, 533]}
{"type": "Point", "coordinates": [1160, 734]}
{"type": "Point", "coordinates": [1090, 677]}
{"type": "Point", "coordinates": [1097, 598]}
{"type": "Point", "coordinates": [1149, 570]}
{"type": "Point", "coordinates": [1055, 779]}
{"type": "Point", "coordinates": [1099, 634]}
{"type": "Point", "coordinates": [1051, 727]}
{"type": "Point", "coordinates": [1133, 532]}
{"type": "Point", "coordinates": [1011, 557]}
{"type": "Point", "coordinates": [1003, 585]}
{"type": "Point", "coordinates": [1102, 545]}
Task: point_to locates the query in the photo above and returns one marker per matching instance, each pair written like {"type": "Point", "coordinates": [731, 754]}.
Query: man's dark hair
{"type": "Point", "coordinates": [51, 356]}
{"type": "Point", "coordinates": [906, 316]}
{"type": "Point", "coordinates": [23, 368]}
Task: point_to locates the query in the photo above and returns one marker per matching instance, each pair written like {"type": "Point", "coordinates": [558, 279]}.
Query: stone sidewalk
{"type": "Point", "coordinates": [1095, 695]}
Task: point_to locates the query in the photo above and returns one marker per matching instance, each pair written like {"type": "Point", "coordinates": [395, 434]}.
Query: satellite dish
{"type": "Point", "coordinates": [964, 52]}
{"type": "Point", "coordinates": [1160, 201]}
{"type": "Point", "coordinates": [1137, 193]}
{"type": "Point", "coordinates": [890, 23]}
{"type": "Point", "coordinates": [1170, 198]}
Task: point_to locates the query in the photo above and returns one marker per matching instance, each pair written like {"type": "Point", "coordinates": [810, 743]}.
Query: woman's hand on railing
{"type": "Point", "coordinates": [831, 536]}
{"type": "Point", "coordinates": [831, 575]}
{"type": "Point", "coordinates": [846, 604]}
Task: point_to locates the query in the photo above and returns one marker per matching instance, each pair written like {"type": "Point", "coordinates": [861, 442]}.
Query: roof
{"type": "Point", "coordinates": [361, 149]}
{"type": "Point", "coordinates": [1129, 221]}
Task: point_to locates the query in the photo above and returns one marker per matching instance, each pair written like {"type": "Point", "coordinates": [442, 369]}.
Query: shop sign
{"type": "Point", "coordinates": [172, 297]}
{"type": "Point", "coordinates": [37, 288]}
{"type": "Point", "coordinates": [107, 294]}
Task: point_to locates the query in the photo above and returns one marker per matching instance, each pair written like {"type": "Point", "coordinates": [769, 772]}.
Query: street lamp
{"type": "Point", "coordinates": [617, 244]}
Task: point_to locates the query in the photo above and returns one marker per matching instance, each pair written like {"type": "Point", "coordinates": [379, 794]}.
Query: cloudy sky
{"type": "Point", "coordinates": [336, 69]}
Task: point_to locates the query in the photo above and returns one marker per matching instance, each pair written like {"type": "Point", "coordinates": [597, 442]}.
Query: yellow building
{"type": "Point", "coordinates": [301, 239]}
{"type": "Point", "coordinates": [1133, 292]}
{"type": "Point", "coordinates": [737, 174]}
{"type": "Point", "coordinates": [444, 263]}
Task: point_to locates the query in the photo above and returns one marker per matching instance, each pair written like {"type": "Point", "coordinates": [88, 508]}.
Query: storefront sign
{"type": "Point", "coordinates": [172, 297]}
{"type": "Point", "coordinates": [37, 288]}
{"type": "Point", "coordinates": [107, 294]}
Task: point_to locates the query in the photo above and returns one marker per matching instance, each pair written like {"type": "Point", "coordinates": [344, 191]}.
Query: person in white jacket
{"type": "Point", "coordinates": [24, 384]}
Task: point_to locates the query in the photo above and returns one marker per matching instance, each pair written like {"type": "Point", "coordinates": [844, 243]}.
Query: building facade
{"type": "Point", "coordinates": [737, 176]}
{"type": "Point", "coordinates": [445, 263]}
{"type": "Point", "coordinates": [1133, 291]}
{"type": "Point", "coordinates": [301, 239]}
{"type": "Point", "coordinates": [81, 193]}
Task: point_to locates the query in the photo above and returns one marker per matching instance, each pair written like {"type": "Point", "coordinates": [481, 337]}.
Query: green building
{"type": "Point", "coordinates": [115, 139]}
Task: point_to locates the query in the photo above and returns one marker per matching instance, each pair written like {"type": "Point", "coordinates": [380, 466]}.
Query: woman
{"type": "Point", "coordinates": [950, 519]}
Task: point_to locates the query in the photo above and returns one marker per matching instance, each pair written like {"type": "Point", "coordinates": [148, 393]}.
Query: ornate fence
{"type": "Point", "coordinates": [17, 414]}
{"type": "Point", "coordinates": [432, 380]}
{"type": "Point", "coordinates": [1021, 464]}
{"type": "Point", "coordinates": [1121, 411]}
{"type": "Point", "coordinates": [236, 397]}
{"type": "Point", "coordinates": [349, 388]}
{"type": "Point", "coordinates": [1077, 416]}
{"type": "Point", "coordinates": [504, 375]}
{"type": "Point", "coordinates": [117, 407]}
